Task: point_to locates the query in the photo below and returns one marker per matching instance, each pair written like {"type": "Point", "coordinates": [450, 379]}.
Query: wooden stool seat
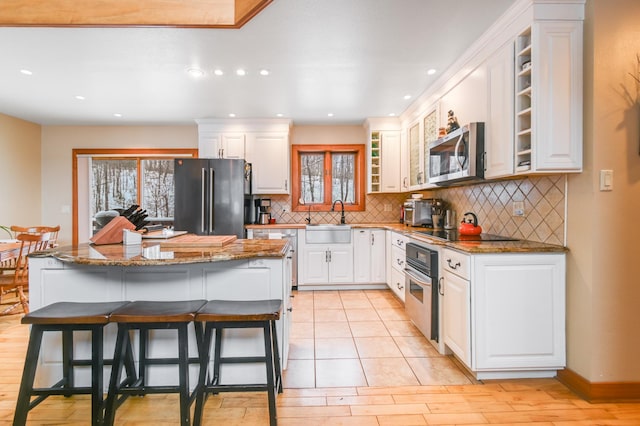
{"type": "Point", "coordinates": [145, 316]}
{"type": "Point", "coordinates": [220, 315]}
{"type": "Point", "coordinates": [67, 317]}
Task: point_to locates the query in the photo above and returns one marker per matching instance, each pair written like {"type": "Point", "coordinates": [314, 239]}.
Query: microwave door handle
{"type": "Point", "coordinates": [456, 150]}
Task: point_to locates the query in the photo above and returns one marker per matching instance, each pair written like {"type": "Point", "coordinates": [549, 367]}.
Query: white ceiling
{"type": "Point", "coordinates": [352, 58]}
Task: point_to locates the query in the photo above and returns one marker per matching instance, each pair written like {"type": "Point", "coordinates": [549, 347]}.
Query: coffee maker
{"type": "Point", "coordinates": [263, 210]}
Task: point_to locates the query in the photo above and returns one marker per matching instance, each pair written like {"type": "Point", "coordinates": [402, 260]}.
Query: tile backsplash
{"type": "Point", "coordinates": [492, 202]}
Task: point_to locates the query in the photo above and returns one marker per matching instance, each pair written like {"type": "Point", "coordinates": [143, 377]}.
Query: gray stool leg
{"type": "Point", "coordinates": [28, 376]}
{"type": "Point", "coordinates": [269, 362]}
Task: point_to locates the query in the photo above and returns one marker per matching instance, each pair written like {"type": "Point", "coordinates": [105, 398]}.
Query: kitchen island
{"type": "Point", "coordinates": [241, 270]}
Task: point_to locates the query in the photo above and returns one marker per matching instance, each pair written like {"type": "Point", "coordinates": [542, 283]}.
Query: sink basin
{"type": "Point", "coordinates": [325, 233]}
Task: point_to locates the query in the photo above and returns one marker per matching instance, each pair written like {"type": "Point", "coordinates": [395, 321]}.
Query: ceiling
{"type": "Point", "coordinates": [349, 58]}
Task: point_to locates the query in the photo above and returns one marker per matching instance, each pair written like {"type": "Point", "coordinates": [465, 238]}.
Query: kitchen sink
{"type": "Point", "coordinates": [325, 233]}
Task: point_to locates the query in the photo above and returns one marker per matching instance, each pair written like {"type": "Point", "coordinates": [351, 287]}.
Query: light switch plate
{"type": "Point", "coordinates": [518, 208]}
{"type": "Point", "coordinates": [606, 180]}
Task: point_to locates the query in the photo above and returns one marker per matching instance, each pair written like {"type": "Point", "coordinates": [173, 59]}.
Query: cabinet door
{"type": "Point", "coordinates": [499, 138]}
{"type": "Point", "coordinates": [315, 269]}
{"type": "Point", "coordinates": [209, 144]}
{"type": "Point", "coordinates": [416, 177]}
{"type": "Point", "coordinates": [269, 157]}
{"type": "Point", "coordinates": [390, 161]}
{"type": "Point", "coordinates": [557, 95]}
{"type": "Point", "coordinates": [397, 283]}
{"type": "Point", "coordinates": [341, 263]}
{"type": "Point", "coordinates": [361, 255]}
{"type": "Point", "coordinates": [519, 311]}
{"type": "Point", "coordinates": [378, 252]}
{"type": "Point", "coordinates": [232, 146]}
{"type": "Point", "coordinates": [456, 316]}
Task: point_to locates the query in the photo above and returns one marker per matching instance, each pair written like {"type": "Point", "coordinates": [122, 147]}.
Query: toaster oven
{"type": "Point", "coordinates": [417, 212]}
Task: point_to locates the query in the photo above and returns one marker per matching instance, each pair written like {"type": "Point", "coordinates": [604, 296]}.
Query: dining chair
{"type": "Point", "coordinates": [19, 280]}
{"type": "Point", "coordinates": [40, 229]}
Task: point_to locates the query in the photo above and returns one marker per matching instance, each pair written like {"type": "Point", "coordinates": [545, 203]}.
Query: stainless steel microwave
{"type": "Point", "coordinates": [458, 156]}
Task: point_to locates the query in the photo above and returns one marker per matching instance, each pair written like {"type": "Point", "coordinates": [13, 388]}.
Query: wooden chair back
{"type": "Point", "coordinates": [30, 243]}
{"type": "Point", "coordinates": [52, 230]}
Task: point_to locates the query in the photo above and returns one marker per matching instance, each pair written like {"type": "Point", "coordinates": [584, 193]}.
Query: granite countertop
{"type": "Point", "coordinates": [152, 253]}
{"type": "Point", "coordinates": [519, 246]}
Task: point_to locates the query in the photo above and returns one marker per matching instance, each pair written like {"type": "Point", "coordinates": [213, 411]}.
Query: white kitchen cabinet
{"type": "Point", "coordinates": [269, 156]}
{"type": "Point", "coordinates": [548, 97]}
{"type": "Point", "coordinates": [498, 139]}
{"type": "Point", "coordinates": [397, 256]}
{"type": "Point", "coordinates": [383, 155]}
{"type": "Point", "coordinates": [326, 264]}
{"type": "Point", "coordinates": [457, 305]}
{"type": "Point", "coordinates": [221, 145]}
{"type": "Point", "coordinates": [415, 147]}
{"type": "Point", "coordinates": [507, 320]}
{"type": "Point", "coordinates": [369, 255]}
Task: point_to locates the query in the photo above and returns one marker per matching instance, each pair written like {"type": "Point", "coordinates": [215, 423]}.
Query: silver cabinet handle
{"type": "Point", "coordinates": [400, 262]}
{"type": "Point", "coordinates": [400, 287]}
{"type": "Point", "coordinates": [453, 266]}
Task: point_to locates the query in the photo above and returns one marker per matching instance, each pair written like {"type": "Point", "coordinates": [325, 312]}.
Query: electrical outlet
{"type": "Point", "coordinates": [518, 208]}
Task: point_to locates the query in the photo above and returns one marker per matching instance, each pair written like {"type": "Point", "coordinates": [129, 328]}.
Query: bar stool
{"type": "Point", "coordinates": [67, 317]}
{"type": "Point", "coordinates": [145, 316]}
{"type": "Point", "coordinates": [219, 315]}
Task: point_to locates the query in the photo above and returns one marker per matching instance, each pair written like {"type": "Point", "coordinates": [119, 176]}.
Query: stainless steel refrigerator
{"type": "Point", "coordinates": [212, 196]}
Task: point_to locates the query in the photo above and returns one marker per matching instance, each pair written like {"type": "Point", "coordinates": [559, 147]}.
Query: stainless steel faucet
{"type": "Point", "coordinates": [333, 208]}
{"type": "Point", "coordinates": [308, 219]}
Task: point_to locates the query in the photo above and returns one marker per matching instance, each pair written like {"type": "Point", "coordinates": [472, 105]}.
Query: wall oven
{"type": "Point", "coordinates": [458, 156]}
{"type": "Point", "coordinates": [421, 289]}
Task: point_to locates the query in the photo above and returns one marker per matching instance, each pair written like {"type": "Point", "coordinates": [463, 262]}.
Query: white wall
{"type": "Point", "coordinates": [59, 141]}
{"type": "Point", "coordinates": [20, 201]}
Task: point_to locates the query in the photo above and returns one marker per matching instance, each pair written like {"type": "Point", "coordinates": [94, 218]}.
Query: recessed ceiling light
{"type": "Point", "coordinates": [195, 72]}
{"type": "Point", "coordinates": [117, 114]}
{"type": "Point", "coordinates": [80, 97]}
{"type": "Point", "coordinates": [407, 96]}
{"type": "Point", "coordinates": [392, 114]}
{"type": "Point", "coordinates": [241, 72]}
{"type": "Point", "coordinates": [264, 72]}
{"type": "Point", "coordinates": [431, 71]}
{"type": "Point", "coordinates": [26, 72]}
{"type": "Point", "coordinates": [218, 72]}
{"type": "Point", "coordinates": [330, 114]}
{"type": "Point", "coordinates": [279, 115]}
{"type": "Point", "coordinates": [232, 115]}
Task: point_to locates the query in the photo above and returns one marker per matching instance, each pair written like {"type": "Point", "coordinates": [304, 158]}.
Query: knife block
{"type": "Point", "coordinates": [112, 231]}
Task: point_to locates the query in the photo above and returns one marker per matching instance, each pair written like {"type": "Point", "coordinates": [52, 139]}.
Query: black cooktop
{"type": "Point", "coordinates": [454, 235]}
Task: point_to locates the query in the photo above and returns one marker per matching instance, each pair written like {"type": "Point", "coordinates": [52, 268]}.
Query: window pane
{"type": "Point", "coordinates": [342, 171]}
{"type": "Point", "coordinates": [113, 184]}
{"type": "Point", "coordinates": [157, 188]}
{"type": "Point", "coordinates": [312, 182]}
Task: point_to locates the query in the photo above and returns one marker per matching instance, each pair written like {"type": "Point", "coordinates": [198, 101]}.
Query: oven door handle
{"type": "Point", "coordinates": [416, 278]}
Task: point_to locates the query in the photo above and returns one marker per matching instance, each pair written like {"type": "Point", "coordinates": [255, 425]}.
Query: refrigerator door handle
{"type": "Point", "coordinates": [211, 198]}
{"type": "Point", "coordinates": [203, 199]}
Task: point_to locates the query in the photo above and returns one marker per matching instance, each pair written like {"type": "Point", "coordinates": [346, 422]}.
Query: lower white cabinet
{"type": "Point", "coordinates": [327, 264]}
{"type": "Point", "coordinates": [504, 314]}
{"type": "Point", "coordinates": [397, 260]}
{"type": "Point", "coordinates": [369, 256]}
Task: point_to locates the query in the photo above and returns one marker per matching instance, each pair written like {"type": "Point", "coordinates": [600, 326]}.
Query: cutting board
{"type": "Point", "coordinates": [199, 241]}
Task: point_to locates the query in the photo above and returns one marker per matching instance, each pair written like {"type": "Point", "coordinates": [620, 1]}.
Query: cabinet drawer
{"type": "Point", "coordinates": [399, 240]}
{"type": "Point", "coordinates": [456, 263]}
{"type": "Point", "coordinates": [397, 283]}
{"type": "Point", "coordinates": [398, 258]}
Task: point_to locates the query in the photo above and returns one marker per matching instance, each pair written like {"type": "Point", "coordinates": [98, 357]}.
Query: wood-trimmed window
{"type": "Point", "coordinates": [141, 163]}
{"type": "Point", "coordinates": [322, 174]}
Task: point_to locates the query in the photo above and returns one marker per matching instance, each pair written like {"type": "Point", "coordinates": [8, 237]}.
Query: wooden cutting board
{"type": "Point", "coordinates": [191, 240]}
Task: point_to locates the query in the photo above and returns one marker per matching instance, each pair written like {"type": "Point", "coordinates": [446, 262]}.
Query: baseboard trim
{"type": "Point", "coordinates": [599, 392]}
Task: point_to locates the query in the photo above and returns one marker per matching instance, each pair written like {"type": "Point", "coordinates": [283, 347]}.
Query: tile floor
{"type": "Point", "coordinates": [361, 338]}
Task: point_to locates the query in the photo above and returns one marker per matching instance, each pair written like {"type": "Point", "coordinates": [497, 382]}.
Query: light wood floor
{"type": "Point", "coordinates": [342, 380]}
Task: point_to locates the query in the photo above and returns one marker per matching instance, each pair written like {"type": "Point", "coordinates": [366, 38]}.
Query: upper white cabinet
{"type": "Point", "coordinates": [383, 155]}
{"type": "Point", "coordinates": [499, 126]}
{"type": "Point", "coordinates": [415, 147]}
{"type": "Point", "coordinates": [548, 98]}
{"type": "Point", "coordinates": [221, 145]}
{"type": "Point", "coordinates": [269, 156]}
{"type": "Point", "coordinates": [263, 143]}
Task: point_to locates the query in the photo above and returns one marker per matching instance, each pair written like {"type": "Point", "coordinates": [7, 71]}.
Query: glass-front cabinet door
{"type": "Point", "coordinates": [416, 177]}
{"type": "Point", "coordinates": [430, 135]}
